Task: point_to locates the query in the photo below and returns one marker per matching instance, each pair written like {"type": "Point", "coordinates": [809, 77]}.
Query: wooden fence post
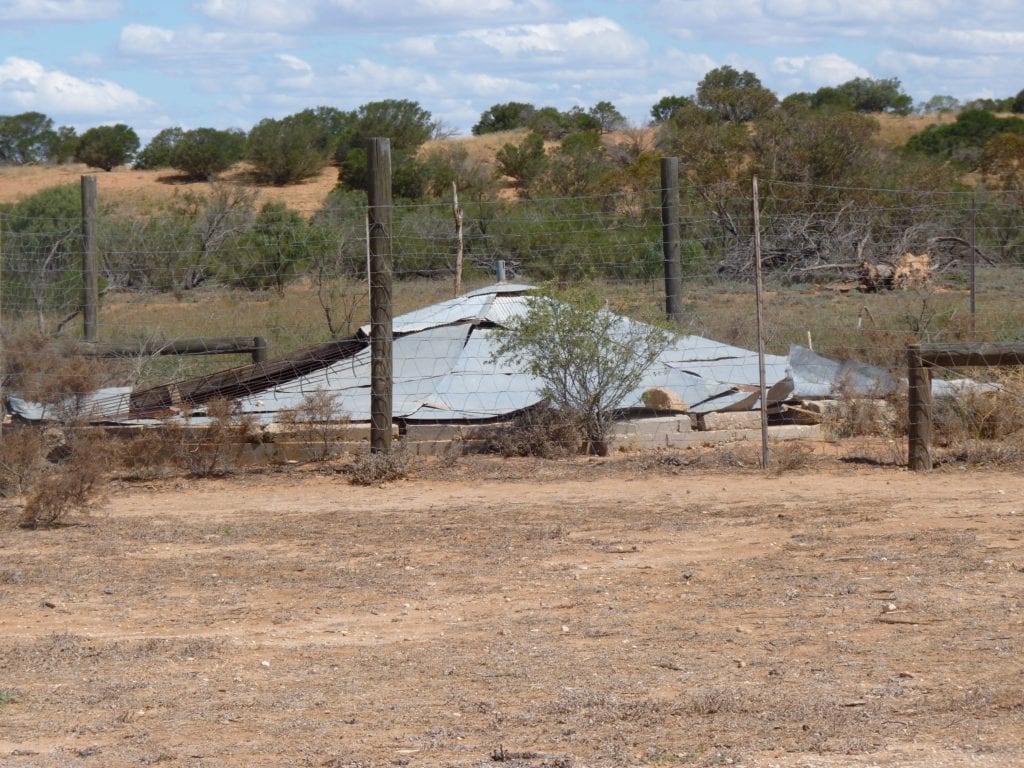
{"type": "Point", "coordinates": [919, 411]}
{"type": "Point", "coordinates": [381, 268]}
{"type": "Point", "coordinates": [670, 238]}
{"type": "Point", "coordinates": [90, 261]}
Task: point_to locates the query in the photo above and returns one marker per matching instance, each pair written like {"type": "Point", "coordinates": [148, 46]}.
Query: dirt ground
{"type": "Point", "coordinates": [17, 182]}
{"type": "Point", "coordinates": [524, 613]}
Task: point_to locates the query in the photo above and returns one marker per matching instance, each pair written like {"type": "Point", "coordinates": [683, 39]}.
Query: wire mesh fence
{"type": "Point", "coordinates": [852, 277]}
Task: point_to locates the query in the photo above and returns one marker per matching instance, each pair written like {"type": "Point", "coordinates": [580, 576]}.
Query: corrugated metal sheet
{"type": "Point", "coordinates": [445, 369]}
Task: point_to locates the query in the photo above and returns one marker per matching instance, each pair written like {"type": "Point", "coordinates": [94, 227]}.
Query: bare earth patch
{"type": "Point", "coordinates": [523, 613]}
{"type": "Point", "coordinates": [125, 184]}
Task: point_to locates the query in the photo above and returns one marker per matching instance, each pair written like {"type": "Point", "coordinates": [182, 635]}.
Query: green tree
{"type": "Point", "coordinates": [607, 116]}
{"type": "Point", "coordinates": [270, 253]}
{"type": "Point", "coordinates": [735, 96]}
{"type": "Point", "coordinates": [42, 252]}
{"type": "Point", "coordinates": [522, 162]}
{"type": "Point", "coordinates": [963, 140]}
{"type": "Point", "coordinates": [26, 138]}
{"type": "Point", "coordinates": [816, 147]}
{"type": "Point", "coordinates": [939, 104]}
{"type": "Point", "coordinates": [449, 162]}
{"type": "Point", "coordinates": [667, 106]}
{"type": "Point", "coordinates": [550, 123]}
{"type": "Point", "coordinates": [202, 153]}
{"type": "Point", "coordinates": [1017, 105]}
{"type": "Point", "coordinates": [159, 153]}
{"type": "Point", "coordinates": [288, 150]}
{"type": "Point", "coordinates": [578, 166]}
{"type": "Point", "coordinates": [107, 146]}
{"type": "Point", "coordinates": [504, 117]}
{"type": "Point", "coordinates": [64, 143]}
{"type": "Point", "coordinates": [829, 99]}
{"type": "Point", "coordinates": [404, 123]}
{"type": "Point", "coordinates": [587, 358]}
{"type": "Point", "coordinates": [882, 95]}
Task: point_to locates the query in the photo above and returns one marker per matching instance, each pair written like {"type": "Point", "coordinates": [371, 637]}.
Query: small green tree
{"type": "Point", "coordinates": [25, 138]}
{"type": "Point", "coordinates": [882, 95]}
{"type": "Point", "coordinates": [288, 150]}
{"type": "Point", "coordinates": [587, 358]}
{"type": "Point", "coordinates": [269, 254]}
{"type": "Point", "coordinates": [524, 162]}
{"type": "Point", "coordinates": [504, 117]}
{"type": "Point", "coordinates": [404, 123]}
{"type": "Point", "coordinates": [667, 106]}
{"type": "Point", "coordinates": [159, 153]}
{"type": "Point", "coordinates": [736, 96]}
{"type": "Point", "coordinates": [107, 146]}
{"type": "Point", "coordinates": [607, 116]}
{"type": "Point", "coordinates": [202, 153]}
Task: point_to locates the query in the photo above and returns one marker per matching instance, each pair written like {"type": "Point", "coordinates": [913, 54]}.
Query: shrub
{"type": "Point", "coordinates": [74, 485]}
{"type": "Point", "coordinates": [377, 468]}
{"type": "Point", "coordinates": [204, 152]}
{"type": "Point", "coordinates": [317, 421]}
{"type": "Point", "coordinates": [107, 146]}
{"type": "Point", "coordinates": [587, 358]}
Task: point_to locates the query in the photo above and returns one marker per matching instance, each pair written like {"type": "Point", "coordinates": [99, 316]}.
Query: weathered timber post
{"type": "Point", "coordinates": [260, 349]}
{"type": "Point", "coordinates": [670, 238]}
{"type": "Point", "coordinates": [381, 268]}
{"type": "Point", "coordinates": [919, 411]}
{"type": "Point", "coordinates": [90, 261]}
{"type": "Point", "coordinates": [974, 266]}
{"type": "Point", "coordinates": [759, 299]}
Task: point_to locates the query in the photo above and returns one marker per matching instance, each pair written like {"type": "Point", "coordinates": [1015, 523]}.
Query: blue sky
{"type": "Point", "coordinates": [231, 63]}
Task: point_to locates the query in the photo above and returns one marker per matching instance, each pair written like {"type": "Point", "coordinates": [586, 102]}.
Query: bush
{"type": "Point", "coordinates": [107, 146]}
{"type": "Point", "coordinates": [316, 422]}
{"type": "Point", "coordinates": [74, 487]}
{"type": "Point", "coordinates": [587, 358]}
{"type": "Point", "coordinates": [205, 152]}
{"type": "Point", "coordinates": [289, 150]}
{"type": "Point", "coordinates": [377, 468]}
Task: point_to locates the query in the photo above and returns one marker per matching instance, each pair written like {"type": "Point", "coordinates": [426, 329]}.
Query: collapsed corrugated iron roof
{"type": "Point", "coordinates": [445, 369]}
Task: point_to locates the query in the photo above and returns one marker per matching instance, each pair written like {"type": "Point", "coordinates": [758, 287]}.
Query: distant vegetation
{"type": "Point", "coordinates": [729, 129]}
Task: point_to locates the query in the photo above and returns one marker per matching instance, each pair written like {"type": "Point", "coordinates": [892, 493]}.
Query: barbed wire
{"type": "Point", "coordinates": [298, 279]}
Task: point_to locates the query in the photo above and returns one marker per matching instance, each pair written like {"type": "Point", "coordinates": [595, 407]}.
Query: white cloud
{"type": "Point", "coordinates": [808, 73]}
{"type": "Point", "coordinates": [500, 11]}
{"type": "Point", "coordinates": [491, 86]}
{"type": "Point", "coordinates": [262, 14]}
{"type": "Point", "coordinates": [953, 41]}
{"type": "Point", "coordinates": [365, 77]}
{"type": "Point", "coordinates": [33, 87]}
{"type": "Point", "coordinates": [193, 42]}
{"type": "Point", "coordinates": [57, 10]}
{"type": "Point", "coordinates": [593, 39]}
{"type": "Point", "coordinates": [303, 77]}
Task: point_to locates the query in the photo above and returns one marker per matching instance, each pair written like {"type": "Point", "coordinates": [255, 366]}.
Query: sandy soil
{"type": "Point", "coordinates": [526, 613]}
{"type": "Point", "coordinates": [124, 183]}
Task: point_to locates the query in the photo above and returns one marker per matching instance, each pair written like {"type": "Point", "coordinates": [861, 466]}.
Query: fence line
{"type": "Point", "coordinates": [222, 268]}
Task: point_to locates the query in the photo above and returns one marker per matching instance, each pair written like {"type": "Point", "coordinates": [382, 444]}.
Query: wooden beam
{"type": "Point", "coordinates": [971, 354]}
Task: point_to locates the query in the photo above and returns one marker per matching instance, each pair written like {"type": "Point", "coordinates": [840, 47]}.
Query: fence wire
{"type": "Point", "coordinates": [843, 271]}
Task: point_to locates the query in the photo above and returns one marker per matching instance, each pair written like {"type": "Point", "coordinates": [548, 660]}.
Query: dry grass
{"type": "Point", "coordinates": [371, 468]}
{"type": "Point", "coordinates": [73, 483]}
{"type": "Point", "coordinates": [316, 422]}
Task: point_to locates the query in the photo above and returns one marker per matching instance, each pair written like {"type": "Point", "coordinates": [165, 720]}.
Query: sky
{"type": "Point", "coordinates": [156, 64]}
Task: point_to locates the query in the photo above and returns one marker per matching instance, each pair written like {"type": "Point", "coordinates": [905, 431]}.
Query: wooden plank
{"type": "Point", "coordinates": [971, 354]}
{"type": "Point", "coordinates": [244, 380]}
{"type": "Point", "coordinates": [222, 345]}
